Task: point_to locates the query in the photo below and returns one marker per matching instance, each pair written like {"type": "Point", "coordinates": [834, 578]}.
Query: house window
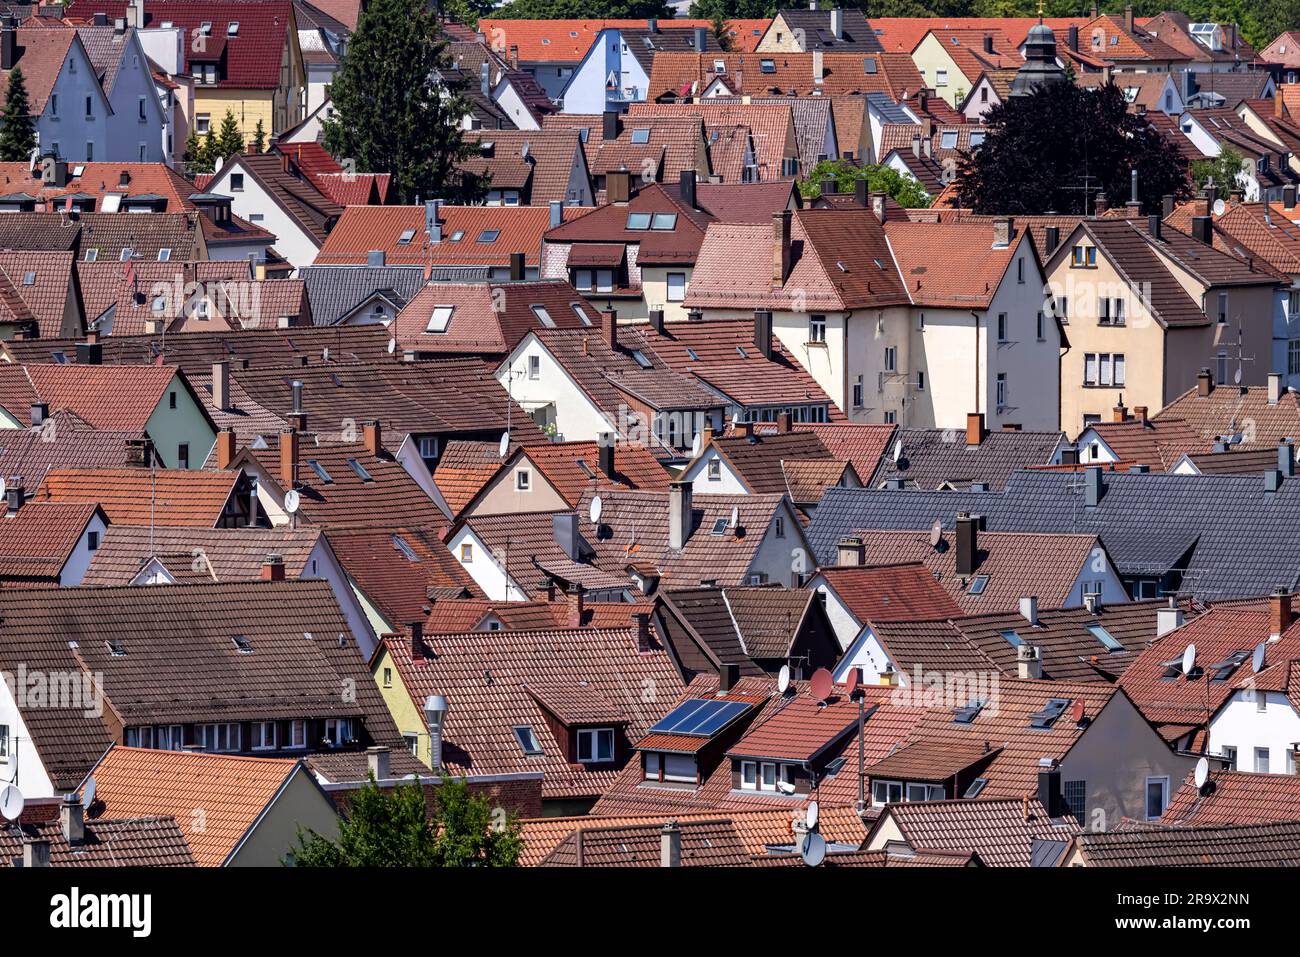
{"type": "Point", "coordinates": [412, 742]}
{"type": "Point", "coordinates": [715, 470]}
{"type": "Point", "coordinates": [264, 736]}
{"type": "Point", "coordinates": [676, 286]}
{"type": "Point", "coordinates": [1261, 702]}
{"type": "Point", "coordinates": [891, 359]}
{"type": "Point", "coordinates": [1223, 307]}
{"type": "Point", "coordinates": [467, 554]}
{"type": "Point", "coordinates": [388, 677]}
{"type": "Point", "coordinates": [748, 776]}
{"type": "Point", "coordinates": [171, 400]}
{"type": "Point", "coordinates": [1230, 758]}
{"type": "Point", "coordinates": [218, 737]}
{"type": "Point", "coordinates": [523, 480]}
{"type": "Point", "coordinates": [54, 108]}
{"type": "Point", "coordinates": [886, 792]}
{"type": "Point", "coordinates": [920, 381]}
{"type": "Point", "coordinates": [440, 319]}
{"type": "Point", "coordinates": [92, 541]}
{"type": "Point", "coordinates": [338, 731]}
{"type": "Point", "coordinates": [595, 745]}
{"type": "Point", "coordinates": [1221, 368]}
{"type": "Point", "coordinates": [1117, 372]}
{"type": "Point", "coordinates": [183, 455]}
{"type": "Point", "coordinates": [1002, 327]}
{"type": "Point", "coordinates": [1039, 327]}
{"type": "Point", "coordinates": [297, 734]}
{"type": "Point", "coordinates": [137, 737]}
{"type": "Point", "coordinates": [940, 77]}
{"type": "Point", "coordinates": [171, 737]}
{"type": "Point", "coordinates": [1084, 256]}
{"type": "Point", "coordinates": [202, 123]}
{"type": "Point", "coordinates": [780, 527]}
{"type": "Point", "coordinates": [1020, 269]}
{"type": "Point", "coordinates": [604, 280]}
{"type": "Point", "coordinates": [1157, 797]}
{"type": "Point", "coordinates": [816, 328]}
{"type": "Point", "coordinates": [1103, 365]}
{"type": "Point", "coordinates": [429, 450]}
{"type": "Point", "coordinates": [1261, 760]}
{"type": "Point", "coordinates": [582, 280]}
{"type": "Point", "coordinates": [857, 393]}
{"type": "Point", "coordinates": [1002, 390]}
{"type": "Point", "coordinates": [534, 367]}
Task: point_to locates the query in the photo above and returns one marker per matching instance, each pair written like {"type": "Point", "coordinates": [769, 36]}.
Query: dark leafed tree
{"type": "Point", "coordinates": [230, 141]}
{"type": "Point", "coordinates": [17, 128]}
{"type": "Point", "coordinates": [394, 829]}
{"type": "Point", "coordinates": [1055, 149]}
{"type": "Point", "coordinates": [396, 109]}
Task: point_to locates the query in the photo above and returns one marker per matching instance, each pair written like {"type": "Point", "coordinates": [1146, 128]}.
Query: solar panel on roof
{"type": "Point", "coordinates": [700, 717]}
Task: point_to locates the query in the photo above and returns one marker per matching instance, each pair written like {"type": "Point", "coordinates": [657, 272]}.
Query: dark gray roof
{"type": "Point", "coordinates": [931, 457]}
{"type": "Point", "coordinates": [855, 35]}
{"type": "Point", "coordinates": [1235, 530]}
{"type": "Point", "coordinates": [889, 111]}
{"type": "Point", "coordinates": [334, 291]}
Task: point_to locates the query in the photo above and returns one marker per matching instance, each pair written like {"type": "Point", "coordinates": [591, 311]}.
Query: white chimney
{"type": "Point", "coordinates": [679, 514]}
{"type": "Point", "coordinates": [1029, 661]}
{"type": "Point", "coordinates": [435, 714]}
{"type": "Point", "coordinates": [377, 761]}
{"type": "Point", "coordinates": [1029, 609]}
{"type": "Point", "coordinates": [1168, 618]}
{"type": "Point", "coordinates": [670, 845]}
{"type": "Point", "coordinates": [1275, 388]}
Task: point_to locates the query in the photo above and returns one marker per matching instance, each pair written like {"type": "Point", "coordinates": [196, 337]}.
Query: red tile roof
{"type": "Point", "coordinates": [170, 497]}
{"type": "Point", "coordinates": [561, 41]}
{"type": "Point", "coordinates": [116, 398]}
{"type": "Point", "coordinates": [37, 541]}
{"type": "Point", "coordinates": [890, 592]}
{"type": "Point", "coordinates": [1235, 797]}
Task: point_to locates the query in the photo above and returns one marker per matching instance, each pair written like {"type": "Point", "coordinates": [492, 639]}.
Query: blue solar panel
{"type": "Point", "coordinates": [702, 717]}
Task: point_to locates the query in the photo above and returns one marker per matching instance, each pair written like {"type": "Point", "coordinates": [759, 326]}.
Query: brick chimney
{"type": "Point", "coordinates": [781, 246]}
{"type": "Point", "coordinates": [852, 551]}
{"type": "Point", "coordinates": [1279, 613]}
{"type": "Point", "coordinates": [573, 598]}
{"type": "Point", "coordinates": [273, 568]}
{"type": "Point", "coordinates": [785, 421]}
{"type": "Point", "coordinates": [1120, 412]}
{"type": "Point", "coordinates": [975, 430]}
{"type": "Point", "coordinates": [416, 628]}
{"type": "Point", "coordinates": [1204, 383]}
{"type": "Point", "coordinates": [1140, 413]}
{"type": "Point", "coordinates": [642, 621]}
{"type": "Point", "coordinates": [374, 438]}
{"type": "Point", "coordinates": [225, 448]}
{"type": "Point", "coordinates": [609, 326]}
{"type": "Point", "coordinates": [288, 458]}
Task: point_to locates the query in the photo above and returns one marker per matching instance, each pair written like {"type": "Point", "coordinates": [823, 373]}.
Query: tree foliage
{"type": "Point", "coordinates": [17, 125]}
{"type": "Point", "coordinates": [583, 10]}
{"type": "Point", "coordinates": [1222, 171]}
{"type": "Point", "coordinates": [394, 829]}
{"type": "Point", "coordinates": [395, 108]}
{"type": "Point", "coordinates": [229, 141]}
{"type": "Point", "coordinates": [906, 191]}
{"type": "Point", "coordinates": [1054, 150]}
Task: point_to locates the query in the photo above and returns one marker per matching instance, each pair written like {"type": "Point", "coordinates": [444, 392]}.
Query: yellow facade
{"type": "Point", "coordinates": [779, 38]}
{"type": "Point", "coordinates": [406, 712]}
{"type": "Point", "coordinates": [940, 71]}
{"type": "Point", "coordinates": [278, 110]}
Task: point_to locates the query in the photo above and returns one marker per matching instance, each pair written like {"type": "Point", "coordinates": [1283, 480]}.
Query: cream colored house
{"type": "Point", "coordinates": [1145, 311]}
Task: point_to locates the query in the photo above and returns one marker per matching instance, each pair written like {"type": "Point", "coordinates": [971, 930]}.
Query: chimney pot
{"type": "Point", "coordinates": [670, 845]}
{"type": "Point", "coordinates": [1275, 388]}
{"type": "Point", "coordinates": [1204, 383]}
{"type": "Point", "coordinates": [288, 458]}
{"type": "Point", "coordinates": [728, 675]}
{"type": "Point", "coordinates": [377, 762]}
{"type": "Point", "coordinates": [975, 430]}
{"type": "Point", "coordinates": [225, 447]}
{"type": "Point", "coordinates": [374, 438]}
{"type": "Point", "coordinates": [1029, 608]}
{"type": "Point", "coordinates": [1029, 662]}
{"type": "Point", "coordinates": [1168, 618]}
{"type": "Point", "coordinates": [852, 552]}
{"type": "Point", "coordinates": [273, 568]}
{"type": "Point", "coordinates": [1279, 613]}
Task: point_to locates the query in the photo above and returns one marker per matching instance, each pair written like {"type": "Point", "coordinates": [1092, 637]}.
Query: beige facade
{"type": "Point", "coordinates": [780, 38]}
{"type": "Point", "coordinates": [300, 805]}
{"type": "Point", "coordinates": [520, 488]}
{"type": "Point", "coordinates": [941, 72]}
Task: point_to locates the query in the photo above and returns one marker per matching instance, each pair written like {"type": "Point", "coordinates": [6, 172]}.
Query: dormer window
{"type": "Point", "coordinates": [595, 745]}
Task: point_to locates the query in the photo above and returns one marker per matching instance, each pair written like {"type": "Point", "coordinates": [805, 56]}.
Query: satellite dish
{"type": "Point", "coordinates": [822, 684]}
{"type": "Point", "coordinates": [1079, 711]}
{"type": "Point", "coordinates": [813, 849]}
{"type": "Point", "coordinates": [88, 794]}
{"type": "Point", "coordinates": [593, 512]}
{"type": "Point", "coordinates": [785, 787]}
{"type": "Point", "coordinates": [936, 533]}
{"type": "Point", "coordinates": [1257, 659]}
{"type": "Point", "coordinates": [505, 445]}
{"type": "Point", "coordinates": [898, 450]}
{"type": "Point", "coordinates": [392, 346]}
{"type": "Point", "coordinates": [697, 444]}
{"type": "Point", "coordinates": [735, 516]}
{"type": "Point", "coordinates": [853, 680]}
{"type": "Point", "coordinates": [783, 679]}
{"type": "Point", "coordinates": [3, 488]}
{"type": "Point", "coordinates": [1219, 207]}
{"type": "Point", "coordinates": [1189, 659]}
{"type": "Point", "coordinates": [1236, 376]}
{"type": "Point", "coordinates": [1202, 773]}
{"type": "Point", "coordinates": [292, 500]}
{"type": "Point", "coordinates": [11, 803]}
{"type": "Point", "coordinates": [812, 814]}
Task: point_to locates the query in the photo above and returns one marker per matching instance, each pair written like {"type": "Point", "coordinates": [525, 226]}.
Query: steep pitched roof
{"type": "Point", "coordinates": [1234, 797]}
{"type": "Point", "coordinates": [1227, 409]}
{"type": "Point", "coordinates": [1229, 845]}
{"type": "Point", "coordinates": [199, 554]}
{"type": "Point", "coordinates": [37, 541]}
{"type": "Point", "coordinates": [336, 291]}
{"type": "Point", "coordinates": [538, 163]}
{"type": "Point", "coordinates": [930, 458]}
{"type": "Point", "coordinates": [136, 842]}
{"type": "Point", "coordinates": [177, 498]}
{"type": "Point", "coordinates": [890, 592]}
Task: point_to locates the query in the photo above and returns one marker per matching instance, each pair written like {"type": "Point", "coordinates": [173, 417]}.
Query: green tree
{"type": "Point", "coordinates": [731, 9]}
{"type": "Point", "coordinates": [230, 141]}
{"type": "Point", "coordinates": [905, 190]}
{"type": "Point", "coordinates": [259, 137]}
{"type": "Point", "coordinates": [395, 829]}
{"type": "Point", "coordinates": [583, 10]}
{"type": "Point", "coordinates": [1222, 170]}
{"type": "Point", "coordinates": [1055, 149]}
{"type": "Point", "coordinates": [391, 115]}
{"type": "Point", "coordinates": [17, 126]}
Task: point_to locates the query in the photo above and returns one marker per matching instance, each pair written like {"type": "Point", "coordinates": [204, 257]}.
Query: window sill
{"type": "Point", "coordinates": [816, 342]}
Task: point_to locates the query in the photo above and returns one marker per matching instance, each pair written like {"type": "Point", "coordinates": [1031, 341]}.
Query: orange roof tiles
{"type": "Point", "coordinates": [139, 496]}
{"type": "Point", "coordinates": [116, 398]}
{"type": "Point", "coordinates": [233, 792]}
{"type": "Point", "coordinates": [890, 592]}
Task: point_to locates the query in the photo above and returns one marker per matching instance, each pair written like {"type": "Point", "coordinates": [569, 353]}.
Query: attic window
{"type": "Point", "coordinates": [719, 527]}
{"type": "Point", "coordinates": [489, 235]}
{"type": "Point", "coordinates": [404, 547]}
{"type": "Point", "coordinates": [321, 472]}
{"type": "Point", "coordinates": [29, 279]}
{"type": "Point", "coordinates": [976, 138]}
{"type": "Point", "coordinates": [641, 135]}
{"type": "Point", "coordinates": [125, 254]}
{"type": "Point", "coordinates": [232, 29]}
{"type": "Point", "coordinates": [582, 316]}
{"type": "Point", "coordinates": [1105, 637]}
{"type": "Point", "coordinates": [116, 648]}
{"type": "Point", "coordinates": [1054, 708]}
{"type": "Point", "coordinates": [719, 67]}
{"type": "Point", "coordinates": [92, 255]}
{"type": "Point", "coordinates": [968, 713]}
{"type": "Point", "coordinates": [360, 470]}
{"type": "Point", "coordinates": [543, 316]}
{"type": "Point", "coordinates": [640, 359]}
{"type": "Point", "coordinates": [638, 221]}
{"type": "Point", "coordinates": [948, 140]}
{"type": "Point", "coordinates": [1222, 670]}
{"type": "Point", "coordinates": [159, 304]}
{"type": "Point", "coordinates": [439, 319]}
{"type": "Point", "coordinates": [164, 255]}
{"type": "Point", "coordinates": [206, 26]}
{"type": "Point", "coordinates": [767, 66]}
{"type": "Point", "coordinates": [978, 584]}
{"type": "Point", "coordinates": [457, 236]}
{"type": "Point", "coordinates": [664, 221]}
{"type": "Point", "coordinates": [244, 646]}
{"type": "Point", "coordinates": [976, 786]}
{"type": "Point", "coordinates": [527, 740]}
{"type": "Point", "coordinates": [740, 351]}
{"type": "Point", "coordinates": [406, 237]}
{"type": "Point", "coordinates": [1012, 638]}
{"type": "Point", "coordinates": [869, 65]}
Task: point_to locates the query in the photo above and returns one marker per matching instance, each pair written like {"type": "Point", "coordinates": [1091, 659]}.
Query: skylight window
{"type": "Point", "coordinates": [406, 237]}
{"type": "Point", "coordinates": [641, 135]}
{"type": "Point", "coordinates": [976, 138]}
{"type": "Point", "coordinates": [978, 584]}
{"type": "Point", "coordinates": [489, 235]}
{"type": "Point", "coordinates": [404, 547]}
{"type": "Point", "coordinates": [640, 358]}
{"type": "Point", "coordinates": [126, 254]}
{"type": "Point", "coordinates": [693, 354]}
{"type": "Point", "coordinates": [869, 64]}
{"type": "Point", "coordinates": [29, 279]}
{"type": "Point", "coordinates": [360, 470]}
{"type": "Point", "coordinates": [1011, 637]}
{"type": "Point", "coordinates": [719, 527]}
{"type": "Point", "coordinates": [976, 787]}
{"type": "Point", "coordinates": [664, 221]}
{"type": "Point", "coordinates": [457, 236]}
{"type": "Point", "coordinates": [1054, 708]}
{"type": "Point", "coordinates": [967, 714]}
{"type": "Point", "coordinates": [439, 319]}
{"type": "Point", "coordinates": [232, 28]}
{"type": "Point", "coordinates": [321, 472]}
{"type": "Point", "coordinates": [543, 316]}
{"type": "Point", "coordinates": [116, 648]}
{"type": "Point", "coordinates": [740, 351]}
{"type": "Point", "coordinates": [582, 316]}
{"type": "Point", "coordinates": [164, 255]}
{"type": "Point", "coordinates": [527, 740]}
{"type": "Point", "coordinates": [638, 221]}
{"type": "Point", "coordinates": [948, 140]}
{"type": "Point", "coordinates": [244, 646]}
{"type": "Point", "coordinates": [767, 66]}
{"type": "Point", "coordinates": [1105, 637]}
{"type": "Point", "coordinates": [205, 26]}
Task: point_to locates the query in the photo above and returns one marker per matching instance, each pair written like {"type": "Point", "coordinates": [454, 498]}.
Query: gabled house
{"type": "Point", "coordinates": [616, 68]}
{"type": "Point", "coordinates": [1003, 832]}
{"type": "Point", "coordinates": [41, 295]}
{"type": "Point", "coordinates": [803, 29]}
{"type": "Point", "coordinates": [1136, 440]}
{"type": "Point", "coordinates": [46, 543]}
{"type": "Point", "coordinates": [355, 295]}
{"type": "Point", "coordinates": [1242, 417]}
{"type": "Point", "coordinates": [530, 167]}
{"type": "Point", "coordinates": [165, 498]}
{"type": "Point", "coordinates": [748, 142]}
{"type": "Point", "coordinates": [138, 123]}
{"type": "Point", "coordinates": [693, 76]}
{"type": "Point", "coordinates": [951, 61]}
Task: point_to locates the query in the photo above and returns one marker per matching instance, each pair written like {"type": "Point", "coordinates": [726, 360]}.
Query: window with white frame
{"type": "Point", "coordinates": [171, 737]}
{"type": "Point", "coordinates": [297, 734]}
{"type": "Point", "coordinates": [891, 359]}
{"type": "Point", "coordinates": [534, 367]}
{"type": "Point", "coordinates": [1157, 797]}
{"type": "Point", "coordinates": [218, 738]}
{"type": "Point", "coordinates": [715, 469]}
{"type": "Point", "coordinates": [523, 480]}
{"type": "Point", "coordinates": [466, 553]}
{"type": "Point", "coordinates": [1261, 760]}
{"type": "Point", "coordinates": [676, 286]}
{"type": "Point", "coordinates": [595, 745]}
{"type": "Point", "coordinates": [265, 736]}
{"type": "Point", "coordinates": [816, 328]}
{"type": "Point", "coordinates": [338, 731]}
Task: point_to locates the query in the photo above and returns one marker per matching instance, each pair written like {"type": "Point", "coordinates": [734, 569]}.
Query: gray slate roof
{"type": "Point", "coordinates": [1238, 534]}
{"type": "Point", "coordinates": [334, 291]}
{"type": "Point", "coordinates": [889, 111]}
{"type": "Point", "coordinates": [931, 457]}
{"type": "Point", "coordinates": [816, 25]}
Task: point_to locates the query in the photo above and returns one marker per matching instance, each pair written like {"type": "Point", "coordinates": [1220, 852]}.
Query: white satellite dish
{"type": "Point", "coordinates": [505, 445]}
{"type": "Point", "coordinates": [1236, 376]}
{"type": "Point", "coordinates": [697, 444]}
{"type": "Point", "coordinates": [783, 679]}
{"type": "Point", "coordinates": [292, 500]}
{"type": "Point", "coordinates": [785, 787]}
{"type": "Point", "coordinates": [936, 533]}
{"type": "Point", "coordinates": [813, 849]}
{"type": "Point", "coordinates": [812, 814]}
{"type": "Point", "coordinates": [594, 511]}
{"type": "Point", "coordinates": [11, 803]}
{"type": "Point", "coordinates": [1219, 207]}
{"type": "Point", "coordinates": [88, 794]}
{"type": "Point", "coordinates": [4, 488]}
{"type": "Point", "coordinates": [392, 346]}
{"type": "Point", "coordinates": [1189, 659]}
{"type": "Point", "coordinates": [1202, 772]}
{"type": "Point", "coordinates": [898, 450]}
{"type": "Point", "coordinates": [735, 516]}
{"type": "Point", "coordinates": [1257, 659]}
